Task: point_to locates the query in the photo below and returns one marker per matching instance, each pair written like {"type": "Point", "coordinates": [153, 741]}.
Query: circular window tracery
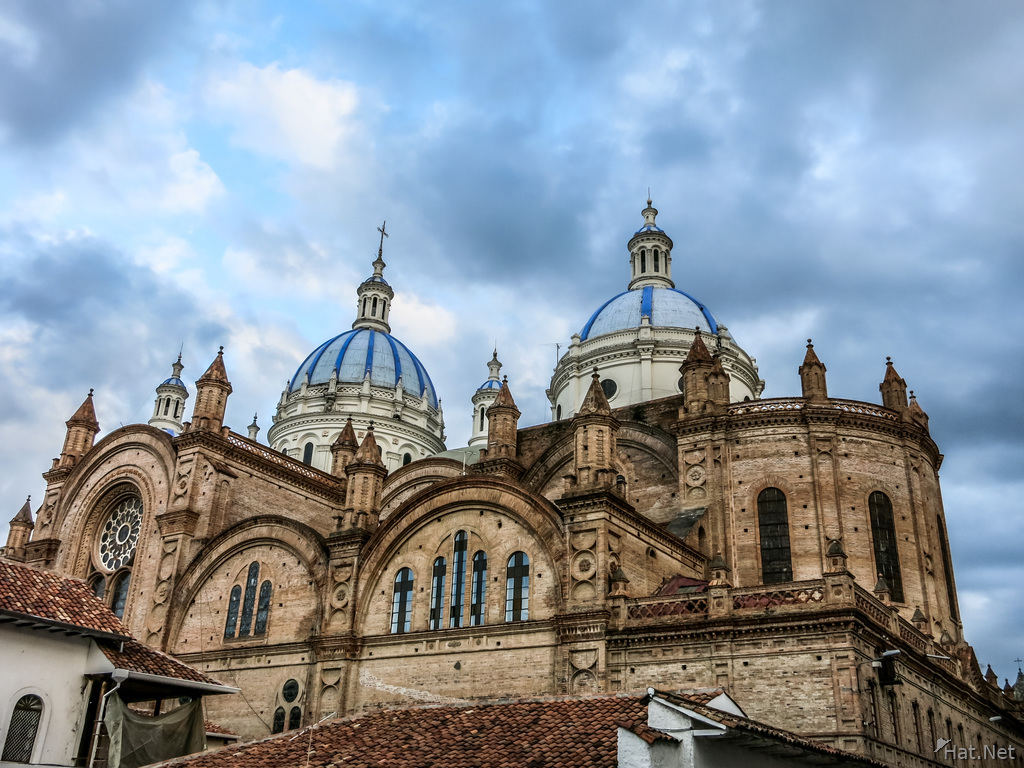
{"type": "Point", "coordinates": [119, 535]}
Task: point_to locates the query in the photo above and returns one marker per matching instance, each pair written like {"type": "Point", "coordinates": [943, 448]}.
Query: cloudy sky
{"type": "Point", "coordinates": [192, 174]}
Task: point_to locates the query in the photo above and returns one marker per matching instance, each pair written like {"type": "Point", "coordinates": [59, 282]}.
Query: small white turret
{"type": "Point", "coordinates": [485, 395]}
{"type": "Point", "coordinates": [171, 395]}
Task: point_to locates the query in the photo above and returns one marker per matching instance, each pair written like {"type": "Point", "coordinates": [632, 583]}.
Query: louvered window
{"type": "Point", "coordinates": [773, 522]}
{"type": "Point", "coordinates": [883, 532]}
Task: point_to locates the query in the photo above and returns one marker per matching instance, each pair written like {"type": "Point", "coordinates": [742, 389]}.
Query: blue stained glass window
{"type": "Point", "coordinates": [517, 588]}
{"type": "Point", "coordinates": [437, 593]}
{"type": "Point", "coordinates": [249, 603]}
{"type": "Point", "coordinates": [401, 607]}
{"type": "Point", "coordinates": [233, 603]}
{"type": "Point", "coordinates": [458, 579]}
{"type": "Point", "coordinates": [479, 595]}
{"type": "Point", "coordinates": [120, 596]}
{"type": "Point", "coordinates": [263, 609]}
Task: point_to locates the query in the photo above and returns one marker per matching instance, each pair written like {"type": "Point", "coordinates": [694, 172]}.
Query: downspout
{"type": "Point", "coordinates": [119, 676]}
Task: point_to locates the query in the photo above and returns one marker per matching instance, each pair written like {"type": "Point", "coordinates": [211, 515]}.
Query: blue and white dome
{"type": "Point", "coordinates": [355, 353]}
{"type": "Point", "coordinates": [666, 307]}
{"type": "Point", "coordinates": [174, 381]}
{"type": "Point", "coordinates": [489, 384]}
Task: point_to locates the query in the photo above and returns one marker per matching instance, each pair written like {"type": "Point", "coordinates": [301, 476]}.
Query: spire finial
{"type": "Point", "coordinates": [650, 201]}
{"type": "Point", "coordinates": [378, 264]}
{"type": "Point", "coordinates": [220, 352]}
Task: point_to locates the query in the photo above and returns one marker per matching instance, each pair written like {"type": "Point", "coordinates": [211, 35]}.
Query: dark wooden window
{"type": "Point", "coordinates": [479, 596]}
{"type": "Point", "coordinates": [278, 720]}
{"type": "Point", "coordinates": [883, 531]}
{"type": "Point", "coordinates": [120, 594]}
{"type": "Point", "coordinates": [437, 593]}
{"type": "Point", "coordinates": [263, 609]}
{"type": "Point", "coordinates": [294, 718]}
{"type": "Point", "coordinates": [233, 604]}
{"type": "Point", "coordinates": [249, 602]}
{"type": "Point", "coordinates": [517, 588]}
{"type": "Point", "coordinates": [773, 520]}
{"type": "Point", "coordinates": [22, 730]}
{"type": "Point", "coordinates": [947, 566]}
{"type": "Point", "coordinates": [458, 579]}
{"type": "Point", "coordinates": [401, 606]}
{"type": "Point", "coordinates": [307, 454]}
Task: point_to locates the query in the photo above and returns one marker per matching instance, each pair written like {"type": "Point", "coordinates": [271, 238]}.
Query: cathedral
{"type": "Point", "coordinates": [667, 528]}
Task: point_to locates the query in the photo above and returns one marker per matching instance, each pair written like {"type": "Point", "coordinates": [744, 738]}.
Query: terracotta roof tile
{"type": "Point", "coordinates": [136, 657]}
{"type": "Point", "coordinates": [220, 730]}
{"type": "Point", "coordinates": [54, 599]}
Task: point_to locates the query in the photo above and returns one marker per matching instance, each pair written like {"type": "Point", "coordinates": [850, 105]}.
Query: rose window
{"type": "Point", "coordinates": [120, 534]}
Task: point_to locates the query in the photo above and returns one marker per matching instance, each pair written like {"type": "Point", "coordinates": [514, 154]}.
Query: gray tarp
{"type": "Point", "coordinates": [140, 739]}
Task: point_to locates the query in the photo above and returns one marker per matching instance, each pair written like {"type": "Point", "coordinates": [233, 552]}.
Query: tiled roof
{"type": "Point", "coordinates": [680, 584]}
{"type": "Point", "coordinates": [219, 730]}
{"type": "Point", "coordinates": [549, 733]}
{"type": "Point", "coordinates": [136, 657]}
{"type": "Point", "coordinates": [54, 599]}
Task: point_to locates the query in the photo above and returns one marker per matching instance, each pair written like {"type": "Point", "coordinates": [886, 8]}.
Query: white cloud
{"type": "Point", "coordinates": [288, 114]}
{"type": "Point", "coordinates": [421, 324]}
{"type": "Point", "coordinates": [192, 183]}
{"type": "Point", "coordinates": [20, 44]}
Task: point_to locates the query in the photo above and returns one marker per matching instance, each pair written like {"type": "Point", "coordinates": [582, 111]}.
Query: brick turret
{"type": "Point", "coordinates": [812, 376]}
{"type": "Point", "coordinates": [82, 429]}
{"type": "Point", "coordinates": [696, 371]}
{"type": "Point", "coordinates": [893, 388]}
{"type": "Point", "coordinates": [595, 431]}
{"type": "Point", "coordinates": [19, 533]}
{"type": "Point", "coordinates": [366, 473]}
{"type": "Point", "coordinates": [718, 384]}
{"type": "Point", "coordinates": [212, 391]}
{"type": "Point", "coordinates": [502, 426]}
{"type": "Point", "coordinates": [344, 449]}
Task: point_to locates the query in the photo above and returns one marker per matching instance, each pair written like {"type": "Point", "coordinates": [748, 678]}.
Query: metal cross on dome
{"type": "Point", "coordinates": [383, 234]}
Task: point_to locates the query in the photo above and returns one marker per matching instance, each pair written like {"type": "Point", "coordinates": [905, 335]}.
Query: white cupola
{"type": "Point", "coordinates": [650, 254]}
{"type": "Point", "coordinates": [483, 398]}
{"type": "Point", "coordinates": [170, 401]}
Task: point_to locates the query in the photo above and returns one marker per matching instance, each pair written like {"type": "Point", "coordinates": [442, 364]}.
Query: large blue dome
{"type": "Point", "coordinates": [354, 353]}
{"type": "Point", "coordinates": [666, 307]}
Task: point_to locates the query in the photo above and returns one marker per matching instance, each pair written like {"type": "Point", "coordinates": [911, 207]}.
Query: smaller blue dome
{"type": "Point", "coordinates": [176, 382]}
{"type": "Point", "coordinates": [666, 307]}
{"type": "Point", "coordinates": [649, 228]}
{"type": "Point", "coordinates": [489, 384]}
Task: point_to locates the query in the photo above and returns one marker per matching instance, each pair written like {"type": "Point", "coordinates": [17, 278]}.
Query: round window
{"type": "Point", "coordinates": [681, 384]}
{"type": "Point", "coordinates": [120, 533]}
{"type": "Point", "coordinates": [609, 387]}
{"type": "Point", "coordinates": [290, 690]}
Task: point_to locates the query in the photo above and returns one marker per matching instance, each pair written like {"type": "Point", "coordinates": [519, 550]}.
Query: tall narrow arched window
{"type": "Point", "coordinates": [231, 625]}
{"type": "Point", "coordinates": [883, 533]}
{"type": "Point", "coordinates": [278, 720]}
{"type": "Point", "coordinates": [656, 259]}
{"type": "Point", "coordinates": [643, 261]}
{"type": "Point", "coordinates": [307, 454]}
{"type": "Point", "coordinates": [383, 306]}
{"type": "Point", "coordinates": [119, 594]}
{"type": "Point", "coordinates": [263, 609]}
{"type": "Point", "coordinates": [366, 301]}
{"type": "Point", "coordinates": [483, 413]}
{"type": "Point", "coordinates": [458, 579]}
{"type": "Point", "coordinates": [479, 596]}
{"type": "Point", "coordinates": [517, 588]}
{"type": "Point", "coordinates": [773, 524]}
{"type": "Point", "coordinates": [252, 580]}
{"type": "Point", "coordinates": [177, 408]}
{"type": "Point", "coordinates": [22, 730]}
{"type": "Point", "coordinates": [947, 566]}
{"type": "Point", "coordinates": [294, 718]}
{"type": "Point", "coordinates": [401, 605]}
{"type": "Point", "coordinates": [167, 406]}
{"type": "Point", "coordinates": [98, 585]}
{"type": "Point", "coordinates": [437, 593]}
{"type": "Point", "coordinates": [406, 458]}
{"type": "Point", "coordinates": [373, 307]}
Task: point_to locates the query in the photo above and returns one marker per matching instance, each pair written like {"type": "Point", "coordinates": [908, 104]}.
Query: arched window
{"type": "Point", "coordinates": [947, 566]}
{"type": "Point", "coordinates": [365, 302]}
{"type": "Point", "coordinates": [883, 532]}
{"type": "Point", "coordinates": [437, 593]}
{"type": "Point", "coordinates": [252, 580]}
{"type": "Point", "coordinates": [558, 413]}
{"type": "Point", "coordinates": [119, 594]}
{"type": "Point", "coordinates": [383, 306]}
{"type": "Point", "coordinates": [643, 261]}
{"type": "Point", "coordinates": [406, 458]}
{"type": "Point", "coordinates": [517, 588]}
{"type": "Point", "coordinates": [231, 625]}
{"type": "Point", "coordinates": [483, 413]}
{"type": "Point", "coordinates": [373, 307]}
{"type": "Point", "coordinates": [278, 720]}
{"type": "Point", "coordinates": [656, 259]}
{"type": "Point", "coordinates": [177, 408]}
{"type": "Point", "coordinates": [167, 406]}
{"type": "Point", "coordinates": [307, 454]}
{"type": "Point", "coordinates": [458, 579]}
{"type": "Point", "coordinates": [98, 585]}
{"type": "Point", "coordinates": [479, 595]}
{"type": "Point", "coordinates": [263, 609]}
{"type": "Point", "coordinates": [401, 606]}
{"type": "Point", "coordinates": [773, 522]}
{"type": "Point", "coordinates": [294, 718]}
{"type": "Point", "coordinates": [22, 730]}
{"type": "Point", "coordinates": [702, 539]}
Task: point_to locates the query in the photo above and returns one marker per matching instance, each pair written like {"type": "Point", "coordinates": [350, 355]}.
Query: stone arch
{"type": "Point", "coordinates": [300, 540]}
{"type": "Point", "coordinates": [468, 495]}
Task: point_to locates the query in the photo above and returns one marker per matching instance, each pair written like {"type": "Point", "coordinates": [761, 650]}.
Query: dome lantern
{"type": "Point", "coordinates": [650, 253]}
{"type": "Point", "coordinates": [374, 294]}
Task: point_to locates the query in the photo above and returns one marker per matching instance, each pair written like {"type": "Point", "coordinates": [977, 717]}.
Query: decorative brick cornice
{"type": "Point", "coordinates": [177, 523]}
